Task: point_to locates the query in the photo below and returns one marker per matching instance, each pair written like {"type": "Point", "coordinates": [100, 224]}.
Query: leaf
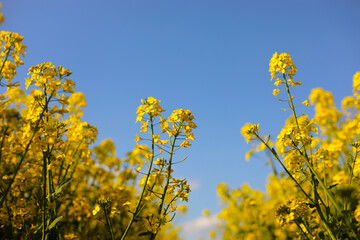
{"type": "Point", "coordinates": [144, 233]}
{"type": "Point", "coordinates": [62, 184]}
{"type": "Point", "coordinates": [181, 160]}
{"type": "Point", "coordinates": [38, 228]}
{"type": "Point", "coordinates": [54, 222]}
{"type": "Point", "coordinates": [334, 185]}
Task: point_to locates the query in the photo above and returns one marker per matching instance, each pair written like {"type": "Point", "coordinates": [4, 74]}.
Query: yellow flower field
{"type": "Point", "coordinates": [56, 183]}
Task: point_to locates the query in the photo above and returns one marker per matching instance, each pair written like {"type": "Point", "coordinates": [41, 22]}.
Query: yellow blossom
{"type": "Point", "coordinates": [282, 64]}
{"type": "Point", "coordinates": [356, 81]}
{"type": "Point", "coordinates": [137, 139]}
{"type": "Point", "coordinates": [96, 210]}
{"type": "Point", "coordinates": [248, 131]}
{"type": "Point", "coordinates": [77, 99]}
{"type": "Point", "coordinates": [306, 103]}
{"type": "Point", "coordinates": [150, 106]}
{"type": "Point", "coordinates": [276, 92]}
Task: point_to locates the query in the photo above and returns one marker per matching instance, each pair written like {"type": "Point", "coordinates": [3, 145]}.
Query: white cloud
{"type": "Point", "coordinates": [194, 185]}
{"type": "Point", "coordinates": [199, 227]}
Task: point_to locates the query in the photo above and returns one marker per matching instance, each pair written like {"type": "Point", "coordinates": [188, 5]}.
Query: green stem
{"type": "Point", "coordinates": [6, 57]}
{"type": "Point", "coordinates": [309, 165]}
{"type": "Point", "coordinates": [304, 154]}
{"type": "Point", "coordinates": [328, 229]}
{"type": "Point", "coordinates": [44, 226]}
{"type": "Point", "coordinates": [167, 177]}
{"type": "Point", "coordinates": [137, 208]}
{"type": "Point", "coordinates": [302, 231]}
{"type": "Point", "coordinates": [306, 225]}
{"type": "Point", "coordinates": [77, 159]}
{"type": "Point", "coordinates": [46, 180]}
{"type": "Point", "coordinates": [171, 154]}
{"type": "Point", "coordinates": [353, 165]}
{"type": "Point", "coordinates": [318, 209]}
{"type": "Point", "coordinates": [108, 223]}
{"type": "Point", "coordinates": [76, 163]}
{"type": "Point", "coordinates": [60, 171]}
{"type": "Point", "coordinates": [271, 162]}
{"type": "Point", "coordinates": [284, 167]}
{"type": "Point", "coordinates": [331, 198]}
{"type": "Point", "coordinates": [5, 193]}
{"type": "Point", "coordinates": [2, 142]}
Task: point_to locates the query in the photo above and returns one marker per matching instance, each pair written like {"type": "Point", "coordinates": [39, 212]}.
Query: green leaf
{"type": "Point", "coordinates": [55, 222]}
{"type": "Point", "coordinates": [62, 184]}
{"type": "Point", "coordinates": [145, 233]}
{"type": "Point", "coordinates": [331, 186]}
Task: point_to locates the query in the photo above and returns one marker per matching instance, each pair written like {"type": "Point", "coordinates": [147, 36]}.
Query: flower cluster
{"type": "Point", "coordinates": [180, 121]}
{"type": "Point", "coordinates": [11, 48]}
{"type": "Point", "coordinates": [51, 178]}
{"type": "Point", "coordinates": [282, 64]}
{"type": "Point", "coordinates": [356, 82]}
{"type": "Point", "coordinates": [150, 106]}
{"type": "Point", "coordinates": [158, 183]}
{"type": "Point", "coordinates": [320, 172]}
{"type": "Point", "coordinates": [248, 131]}
{"type": "Point", "coordinates": [296, 134]}
{"type": "Point", "coordinates": [294, 210]}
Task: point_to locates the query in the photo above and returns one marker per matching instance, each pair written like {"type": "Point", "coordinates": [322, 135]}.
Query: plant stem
{"type": "Point", "coordinates": [304, 154]}
{"type": "Point", "coordinates": [44, 226]}
{"type": "Point", "coordinates": [284, 167]}
{"type": "Point", "coordinates": [353, 165]}
{"type": "Point", "coordinates": [108, 223]}
{"type": "Point", "coordinates": [302, 230]}
{"type": "Point", "coordinates": [5, 193]}
{"type": "Point", "coordinates": [166, 185]}
{"type": "Point", "coordinates": [137, 212]}
{"type": "Point", "coordinates": [2, 141]}
{"type": "Point", "coordinates": [318, 209]}
{"type": "Point", "coordinates": [2, 67]}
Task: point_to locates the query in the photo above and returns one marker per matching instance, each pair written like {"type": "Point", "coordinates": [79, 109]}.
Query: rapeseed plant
{"type": "Point", "coordinates": [54, 184]}
{"type": "Point", "coordinates": [315, 196]}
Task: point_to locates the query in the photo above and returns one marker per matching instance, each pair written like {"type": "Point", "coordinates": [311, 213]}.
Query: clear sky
{"type": "Point", "coordinates": [209, 56]}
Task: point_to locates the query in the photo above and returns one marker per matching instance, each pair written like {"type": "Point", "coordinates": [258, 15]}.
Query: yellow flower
{"type": "Point", "coordinates": [206, 212]}
{"type": "Point", "coordinates": [182, 122]}
{"type": "Point", "coordinates": [68, 85]}
{"type": "Point", "coordinates": [348, 103]}
{"type": "Point", "coordinates": [150, 106]}
{"type": "Point", "coordinates": [185, 144]}
{"type": "Point", "coordinates": [182, 208]}
{"type": "Point", "coordinates": [10, 46]}
{"type": "Point", "coordinates": [292, 83]}
{"type": "Point", "coordinates": [248, 131]}
{"type": "Point", "coordinates": [282, 64]}
{"type": "Point", "coordinates": [357, 212]}
{"type": "Point", "coordinates": [248, 154]}
{"type": "Point", "coordinates": [144, 126]}
{"type": "Point", "coordinates": [137, 138]}
{"type": "Point", "coordinates": [356, 82]}
{"type": "Point", "coordinates": [306, 103]}
{"type": "Point", "coordinates": [71, 236]}
{"type": "Point", "coordinates": [78, 99]}
{"type": "Point", "coordinates": [291, 211]}
{"type": "Point", "coordinates": [96, 210]}
{"type": "Point", "coordinates": [276, 92]}
{"type": "Point", "coordinates": [278, 82]}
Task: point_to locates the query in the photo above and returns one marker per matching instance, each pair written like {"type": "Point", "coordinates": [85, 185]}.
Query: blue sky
{"type": "Point", "coordinates": [208, 56]}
